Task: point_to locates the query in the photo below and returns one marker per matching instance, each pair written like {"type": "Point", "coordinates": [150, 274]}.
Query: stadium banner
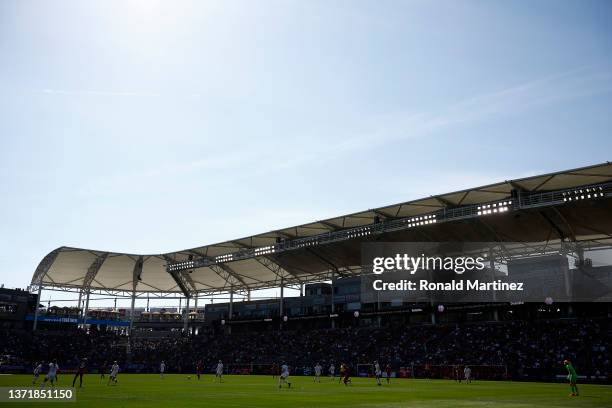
{"type": "Point", "coordinates": [451, 272]}
{"type": "Point", "coordinates": [74, 320]}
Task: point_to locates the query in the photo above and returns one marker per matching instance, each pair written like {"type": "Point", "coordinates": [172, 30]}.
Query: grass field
{"type": "Point", "coordinates": [262, 391]}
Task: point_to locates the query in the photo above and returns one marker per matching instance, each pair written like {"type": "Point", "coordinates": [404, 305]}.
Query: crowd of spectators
{"type": "Point", "coordinates": [24, 348]}
{"type": "Point", "coordinates": [525, 350]}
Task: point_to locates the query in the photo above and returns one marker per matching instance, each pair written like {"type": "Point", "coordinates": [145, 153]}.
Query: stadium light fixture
{"type": "Point", "coordinates": [360, 232]}
{"type": "Point", "coordinates": [224, 258]}
{"type": "Point", "coordinates": [421, 220]}
{"type": "Point", "coordinates": [265, 250]}
{"type": "Point", "coordinates": [494, 208]}
{"type": "Point", "coordinates": [589, 193]}
{"type": "Point", "coordinates": [307, 243]}
{"type": "Point", "coordinates": [182, 265]}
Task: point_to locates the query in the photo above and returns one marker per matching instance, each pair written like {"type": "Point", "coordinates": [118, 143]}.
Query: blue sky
{"type": "Point", "coordinates": [150, 126]}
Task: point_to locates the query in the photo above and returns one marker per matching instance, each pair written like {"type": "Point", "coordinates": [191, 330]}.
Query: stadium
{"type": "Point", "coordinates": [417, 347]}
{"type": "Point", "coordinates": [306, 203]}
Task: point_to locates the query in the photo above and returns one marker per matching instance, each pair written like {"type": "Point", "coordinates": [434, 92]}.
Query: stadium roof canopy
{"type": "Point", "coordinates": [313, 251]}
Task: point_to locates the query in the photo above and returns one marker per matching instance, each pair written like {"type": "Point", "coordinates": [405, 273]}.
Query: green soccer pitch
{"type": "Point", "coordinates": [149, 390]}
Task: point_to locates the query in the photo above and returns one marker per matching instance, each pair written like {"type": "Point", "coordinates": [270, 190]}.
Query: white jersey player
{"type": "Point", "coordinates": [284, 376]}
{"type": "Point", "coordinates": [36, 372]}
{"type": "Point", "coordinates": [467, 373]}
{"type": "Point", "coordinates": [162, 369]}
{"type": "Point", "coordinates": [332, 371]}
{"type": "Point", "coordinates": [113, 374]}
{"type": "Point", "coordinates": [51, 374]}
{"type": "Point", "coordinates": [317, 371]}
{"type": "Point", "coordinates": [219, 371]}
{"type": "Point", "coordinates": [377, 372]}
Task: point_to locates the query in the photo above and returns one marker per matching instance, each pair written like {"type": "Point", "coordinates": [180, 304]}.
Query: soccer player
{"type": "Point", "coordinates": [317, 371]}
{"type": "Point", "coordinates": [284, 376]}
{"type": "Point", "coordinates": [467, 373]}
{"type": "Point", "coordinates": [199, 368]}
{"type": "Point", "coordinates": [345, 375]}
{"type": "Point", "coordinates": [36, 372]}
{"type": "Point", "coordinates": [332, 371]}
{"type": "Point", "coordinates": [162, 369]}
{"type": "Point", "coordinates": [51, 374]}
{"type": "Point", "coordinates": [571, 377]}
{"type": "Point", "coordinates": [388, 370]}
{"type": "Point", "coordinates": [457, 374]}
{"type": "Point", "coordinates": [219, 372]}
{"type": "Point", "coordinates": [80, 371]}
{"type": "Point", "coordinates": [377, 372]}
{"type": "Point", "coordinates": [103, 369]}
{"type": "Point", "coordinates": [113, 374]}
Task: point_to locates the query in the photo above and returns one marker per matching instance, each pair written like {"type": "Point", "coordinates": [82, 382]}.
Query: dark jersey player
{"type": "Point", "coordinates": [274, 370]}
{"type": "Point", "coordinates": [457, 371]}
{"type": "Point", "coordinates": [345, 373]}
{"type": "Point", "coordinates": [103, 369]}
{"type": "Point", "coordinates": [199, 367]}
{"type": "Point", "coordinates": [80, 371]}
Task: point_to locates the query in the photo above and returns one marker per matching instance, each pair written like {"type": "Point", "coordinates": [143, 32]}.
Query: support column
{"type": "Point", "coordinates": [333, 306]}
{"type": "Point", "coordinates": [186, 317]}
{"type": "Point", "coordinates": [36, 308]}
{"type": "Point", "coordinates": [280, 306]}
{"type": "Point", "coordinates": [135, 278]}
{"type": "Point", "coordinates": [566, 273]}
{"type": "Point", "coordinates": [148, 308]}
{"type": "Point", "coordinates": [431, 302]}
{"type": "Point", "coordinates": [492, 268]}
{"type": "Point", "coordinates": [79, 304]}
{"type": "Point", "coordinates": [86, 308]}
{"type": "Point", "coordinates": [196, 323]}
{"type": "Point", "coordinates": [204, 309]}
{"type": "Point", "coordinates": [231, 310]}
{"type": "Point", "coordinates": [132, 311]}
